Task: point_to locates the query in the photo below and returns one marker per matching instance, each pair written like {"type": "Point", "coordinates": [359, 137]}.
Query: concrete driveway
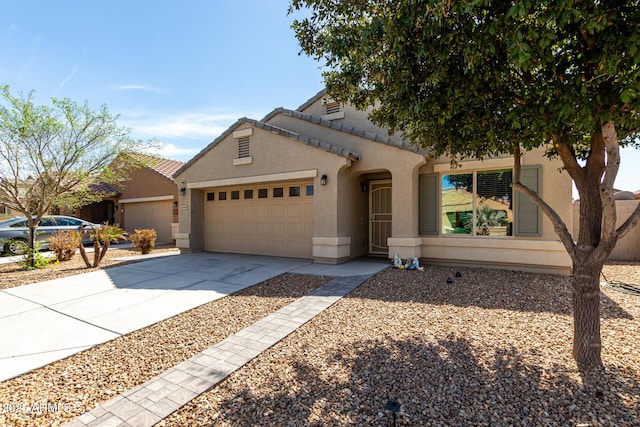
{"type": "Point", "coordinates": [47, 321]}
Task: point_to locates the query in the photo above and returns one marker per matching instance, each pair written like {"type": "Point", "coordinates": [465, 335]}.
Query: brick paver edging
{"type": "Point", "coordinates": [150, 402]}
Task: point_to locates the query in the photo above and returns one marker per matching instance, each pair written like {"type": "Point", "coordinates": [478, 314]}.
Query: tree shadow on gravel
{"type": "Point", "coordinates": [482, 288]}
{"type": "Point", "coordinates": [439, 383]}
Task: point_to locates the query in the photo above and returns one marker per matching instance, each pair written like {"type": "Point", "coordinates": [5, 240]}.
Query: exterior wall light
{"type": "Point", "coordinates": [183, 191]}
{"type": "Point", "coordinates": [323, 180]}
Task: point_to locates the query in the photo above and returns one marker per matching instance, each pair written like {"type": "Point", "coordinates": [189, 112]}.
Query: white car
{"type": "Point", "coordinates": [14, 232]}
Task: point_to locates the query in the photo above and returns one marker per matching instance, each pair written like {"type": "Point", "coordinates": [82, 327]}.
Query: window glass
{"type": "Point", "coordinates": [248, 194]}
{"type": "Point", "coordinates": [19, 224]}
{"type": "Point", "coordinates": [309, 190]}
{"type": "Point", "coordinates": [47, 222]}
{"type": "Point", "coordinates": [294, 191]}
{"type": "Point", "coordinates": [494, 200]}
{"type": "Point", "coordinates": [477, 203]}
{"type": "Point", "coordinates": [262, 193]}
{"type": "Point", "coordinates": [211, 196]}
{"type": "Point", "coordinates": [235, 195]}
{"type": "Point", "coordinates": [457, 204]}
{"type": "Point", "coordinates": [68, 222]}
{"type": "Point", "coordinates": [222, 195]}
{"type": "Point", "coordinates": [278, 192]}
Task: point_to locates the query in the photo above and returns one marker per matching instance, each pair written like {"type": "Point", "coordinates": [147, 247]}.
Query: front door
{"type": "Point", "coordinates": [380, 216]}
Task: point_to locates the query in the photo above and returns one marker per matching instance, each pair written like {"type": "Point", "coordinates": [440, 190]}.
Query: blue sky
{"type": "Point", "coordinates": [178, 71]}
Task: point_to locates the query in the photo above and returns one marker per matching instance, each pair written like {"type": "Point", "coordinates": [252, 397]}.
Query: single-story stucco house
{"type": "Point", "coordinates": [148, 199]}
{"type": "Point", "coordinates": [323, 182]}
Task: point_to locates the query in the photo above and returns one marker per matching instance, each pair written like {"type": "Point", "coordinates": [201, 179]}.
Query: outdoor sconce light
{"type": "Point", "coordinates": [183, 191]}
{"type": "Point", "coordinates": [363, 186]}
{"type": "Point", "coordinates": [175, 204]}
{"type": "Point", "coordinates": [323, 180]}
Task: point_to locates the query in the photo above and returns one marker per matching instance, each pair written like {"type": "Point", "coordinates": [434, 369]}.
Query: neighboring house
{"type": "Point", "coordinates": [149, 199]}
{"type": "Point", "coordinates": [7, 212]}
{"type": "Point", "coordinates": [323, 182]}
{"type": "Point", "coordinates": [627, 248]}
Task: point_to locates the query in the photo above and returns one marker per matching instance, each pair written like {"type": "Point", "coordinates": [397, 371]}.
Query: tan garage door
{"type": "Point", "coordinates": [272, 220]}
{"type": "Point", "coordinates": [157, 215]}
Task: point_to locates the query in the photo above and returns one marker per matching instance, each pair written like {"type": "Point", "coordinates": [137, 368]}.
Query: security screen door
{"type": "Point", "coordinates": [380, 216]}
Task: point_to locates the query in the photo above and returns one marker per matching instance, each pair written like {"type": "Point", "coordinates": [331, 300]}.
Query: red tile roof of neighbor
{"type": "Point", "coordinates": [167, 167]}
{"type": "Point", "coordinates": [103, 187]}
{"type": "Point", "coordinates": [164, 167]}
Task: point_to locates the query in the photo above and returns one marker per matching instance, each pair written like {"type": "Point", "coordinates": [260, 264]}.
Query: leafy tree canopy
{"type": "Point", "coordinates": [472, 77]}
{"type": "Point", "coordinates": [478, 78]}
{"type": "Point", "coordinates": [53, 156]}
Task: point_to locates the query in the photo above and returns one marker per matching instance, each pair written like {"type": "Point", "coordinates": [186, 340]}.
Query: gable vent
{"type": "Point", "coordinates": [243, 147]}
{"type": "Point", "coordinates": [332, 107]}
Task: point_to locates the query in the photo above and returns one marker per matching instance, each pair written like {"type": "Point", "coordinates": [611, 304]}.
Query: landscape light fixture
{"type": "Point", "coordinates": [394, 407]}
{"type": "Point", "coordinates": [323, 180]}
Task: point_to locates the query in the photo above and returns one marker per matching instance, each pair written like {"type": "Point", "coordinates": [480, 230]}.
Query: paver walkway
{"type": "Point", "coordinates": [149, 403]}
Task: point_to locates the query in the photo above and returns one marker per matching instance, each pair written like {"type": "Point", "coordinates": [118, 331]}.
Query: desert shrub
{"type": "Point", "coordinates": [102, 237]}
{"type": "Point", "coordinates": [144, 239]}
{"type": "Point", "coordinates": [64, 244]}
{"type": "Point", "coordinates": [34, 259]}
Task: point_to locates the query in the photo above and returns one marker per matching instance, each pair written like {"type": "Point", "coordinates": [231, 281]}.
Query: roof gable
{"type": "Point", "coordinates": [313, 142]}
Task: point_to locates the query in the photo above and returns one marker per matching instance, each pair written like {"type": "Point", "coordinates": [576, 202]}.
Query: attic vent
{"type": "Point", "coordinates": [243, 147]}
{"type": "Point", "coordinates": [332, 107]}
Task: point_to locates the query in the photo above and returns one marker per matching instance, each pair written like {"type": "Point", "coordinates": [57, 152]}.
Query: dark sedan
{"type": "Point", "coordinates": [14, 232]}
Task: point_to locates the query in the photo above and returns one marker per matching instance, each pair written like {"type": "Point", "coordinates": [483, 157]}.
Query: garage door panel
{"type": "Point", "coordinates": [271, 226]}
{"type": "Point", "coordinates": [278, 211]}
{"type": "Point", "coordinates": [295, 211]}
{"type": "Point", "coordinates": [249, 212]}
{"type": "Point", "coordinates": [157, 215]}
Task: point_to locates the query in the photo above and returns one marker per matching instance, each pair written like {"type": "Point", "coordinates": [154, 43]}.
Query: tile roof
{"type": "Point", "coordinates": [391, 141]}
{"type": "Point", "coordinates": [322, 145]}
{"type": "Point", "coordinates": [103, 187]}
{"type": "Point", "coordinates": [159, 165]}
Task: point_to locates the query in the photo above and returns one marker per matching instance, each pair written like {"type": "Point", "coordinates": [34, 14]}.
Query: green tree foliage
{"type": "Point", "coordinates": [52, 156]}
{"type": "Point", "coordinates": [478, 78]}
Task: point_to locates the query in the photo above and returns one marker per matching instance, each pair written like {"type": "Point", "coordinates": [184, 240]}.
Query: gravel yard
{"type": "Point", "coordinates": [493, 348]}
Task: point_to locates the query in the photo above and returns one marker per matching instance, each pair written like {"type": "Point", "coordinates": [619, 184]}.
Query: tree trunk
{"type": "Point", "coordinates": [587, 344]}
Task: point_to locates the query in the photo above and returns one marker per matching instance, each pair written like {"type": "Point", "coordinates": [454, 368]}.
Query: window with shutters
{"type": "Point", "coordinates": [477, 204]}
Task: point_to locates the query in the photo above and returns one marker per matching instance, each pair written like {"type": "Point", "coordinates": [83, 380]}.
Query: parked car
{"type": "Point", "coordinates": [14, 232]}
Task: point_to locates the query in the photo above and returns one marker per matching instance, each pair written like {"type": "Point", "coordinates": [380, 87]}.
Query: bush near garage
{"type": "Point", "coordinates": [64, 244]}
{"type": "Point", "coordinates": [145, 239]}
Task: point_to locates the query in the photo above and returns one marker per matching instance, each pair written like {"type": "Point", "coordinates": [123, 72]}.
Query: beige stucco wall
{"type": "Point", "coordinates": [341, 211]}
{"type": "Point", "coordinates": [274, 158]}
{"type": "Point", "coordinates": [627, 248]}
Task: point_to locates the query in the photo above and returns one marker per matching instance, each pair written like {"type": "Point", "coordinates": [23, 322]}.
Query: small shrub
{"type": "Point", "coordinates": [144, 239]}
{"type": "Point", "coordinates": [64, 244]}
{"type": "Point", "coordinates": [34, 259]}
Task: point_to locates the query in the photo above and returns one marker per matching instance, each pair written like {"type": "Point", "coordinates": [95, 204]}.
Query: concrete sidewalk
{"type": "Point", "coordinates": [58, 318]}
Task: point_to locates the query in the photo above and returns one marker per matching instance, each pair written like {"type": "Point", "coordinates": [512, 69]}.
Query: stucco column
{"type": "Point", "coordinates": [405, 239]}
{"type": "Point", "coordinates": [328, 245]}
{"type": "Point", "coordinates": [190, 219]}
